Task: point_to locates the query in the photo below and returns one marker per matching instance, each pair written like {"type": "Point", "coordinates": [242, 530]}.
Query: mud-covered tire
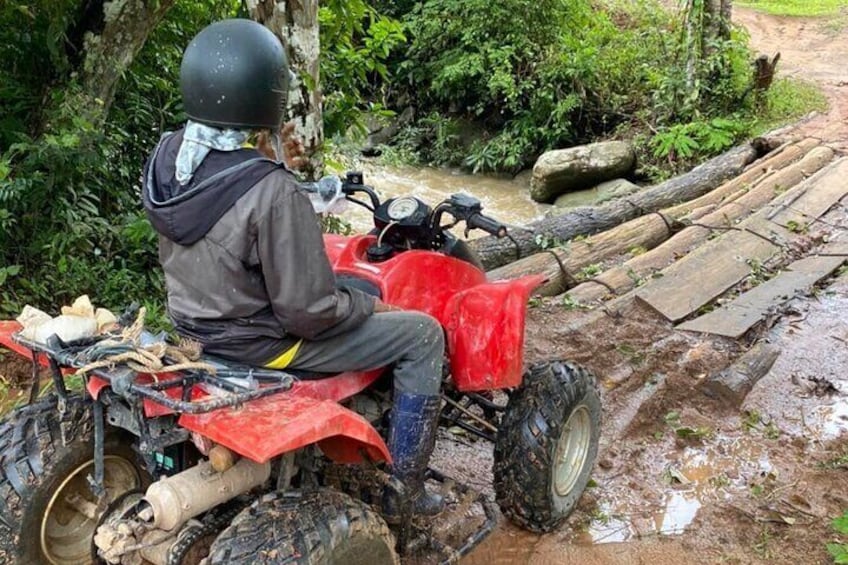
{"type": "Point", "coordinates": [305, 528]}
{"type": "Point", "coordinates": [532, 438]}
{"type": "Point", "coordinates": [40, 451]}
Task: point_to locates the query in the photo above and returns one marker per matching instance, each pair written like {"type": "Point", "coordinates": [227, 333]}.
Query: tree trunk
{"type": "Point", "coordinates": [706, 23]}
{"type": "Point", "coordinates": [592, 219]}
{"type": "Point", "coordinates": [296, 23]}
{"type": "Point", "coordinates": [717, 19]}
{"type": "Point", "coordinates": [562, 266]}
{"type": "Point", "coordinates": [126, 26]}
{"type": "Point", "coordinates": [626, 276]}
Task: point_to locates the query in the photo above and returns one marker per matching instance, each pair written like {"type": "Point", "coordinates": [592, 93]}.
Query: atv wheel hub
{"type": "Point", "coordinates": [572, 450]}
{"type": "Point", "coordinates": [71, 516]}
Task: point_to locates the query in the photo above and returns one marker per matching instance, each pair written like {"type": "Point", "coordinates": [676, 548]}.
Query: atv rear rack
{"type": "Point", "coordinates": [229, 386]}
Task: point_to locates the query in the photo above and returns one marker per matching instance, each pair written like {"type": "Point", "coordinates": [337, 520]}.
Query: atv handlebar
{"type": "Point", "coordinates": [487, 224]}
{"type": "Point", "coordinates": [353, 183]}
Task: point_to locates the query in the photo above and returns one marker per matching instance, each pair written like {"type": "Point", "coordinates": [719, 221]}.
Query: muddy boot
{"type": "Point", "coordinates": [412, 436]}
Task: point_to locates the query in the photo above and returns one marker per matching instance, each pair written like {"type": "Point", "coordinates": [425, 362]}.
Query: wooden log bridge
{"type": "Point", "coordinates": [562, 266]}
{"type": "Point", "coordinates": [587, 220]}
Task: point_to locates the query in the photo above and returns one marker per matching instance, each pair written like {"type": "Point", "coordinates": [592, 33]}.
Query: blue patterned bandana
{"type": "Point", "coordinates": [198, 141]}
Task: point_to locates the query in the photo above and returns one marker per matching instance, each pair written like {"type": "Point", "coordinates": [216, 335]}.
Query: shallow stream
{"type": "Point", "coordinates": [504, 197]}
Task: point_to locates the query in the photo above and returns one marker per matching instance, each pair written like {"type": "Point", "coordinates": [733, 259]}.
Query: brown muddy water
{"type": "Point", "coordinates": [504, 197]}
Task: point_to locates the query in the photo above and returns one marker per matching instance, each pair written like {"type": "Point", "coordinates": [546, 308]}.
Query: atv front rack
{"type": "Point", "coordinates": [229, 386]}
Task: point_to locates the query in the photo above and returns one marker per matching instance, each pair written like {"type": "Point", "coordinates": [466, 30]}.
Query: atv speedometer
{"type": "Point", "coordinates": [402, 208]}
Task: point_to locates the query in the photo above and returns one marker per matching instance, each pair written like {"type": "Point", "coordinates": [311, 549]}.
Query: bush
{"type": "Point", "coordinates": [538, 75]}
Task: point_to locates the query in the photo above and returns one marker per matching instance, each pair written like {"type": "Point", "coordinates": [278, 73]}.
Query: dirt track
{"type": "Point", "coordinates": [760, 487]}
{"type": "Point", "coordinates": [811, 49]}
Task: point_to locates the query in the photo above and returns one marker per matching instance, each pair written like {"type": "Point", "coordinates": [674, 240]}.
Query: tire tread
{"type": "Point", "coordinates": [526, 442]}
{"type": "Point", "coordinates": [295, 528]}
{"type": "Point", "coordinates": [30, 438]}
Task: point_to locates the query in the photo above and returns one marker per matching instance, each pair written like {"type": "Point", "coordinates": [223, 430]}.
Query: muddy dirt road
{"type": "Point", "coordinates": [814, 49]}
{"type": "Point", "coordinates": [754, 485]}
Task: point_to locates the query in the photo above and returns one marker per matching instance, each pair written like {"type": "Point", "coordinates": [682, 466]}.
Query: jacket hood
{"type": "Point", "coordinates": [185, 213]}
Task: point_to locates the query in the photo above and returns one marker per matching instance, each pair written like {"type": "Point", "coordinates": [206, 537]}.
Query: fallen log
{"type": "Point", "coordinates": [587, 220]}
{"type": "Point", "coordinates": [734, 383]}
{"type": "Point", "coordinates": [778, 159]}
{"type": "Point", "coordinates": [562, 266]}
{"type": "Point", "coordinates": [626, 276]}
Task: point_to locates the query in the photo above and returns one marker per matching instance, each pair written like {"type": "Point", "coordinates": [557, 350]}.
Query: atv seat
{"type": "Point", "coordinates": [258, 372]}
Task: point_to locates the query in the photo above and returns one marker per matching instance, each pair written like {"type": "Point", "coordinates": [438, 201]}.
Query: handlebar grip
{"type": "Point", "coordinates": [486, 224]}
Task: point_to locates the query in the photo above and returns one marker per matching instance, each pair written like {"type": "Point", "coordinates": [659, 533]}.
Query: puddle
{"type": "Point", "coordinates": [680, 511]}
{"type": "Point", "coordinates": [832, 420]}
{"type": "Point", "coordinates": [606, 527]}
{"type": "Point", "coordinates": [726, 461]}
{"type": "Point", "coordinates": [804, 391]}
{"type": "Point", "coordinates": [677, 487]}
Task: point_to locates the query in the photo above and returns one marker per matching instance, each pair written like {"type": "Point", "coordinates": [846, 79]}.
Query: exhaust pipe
{"type": "Point", "coordinates": [177, 499]}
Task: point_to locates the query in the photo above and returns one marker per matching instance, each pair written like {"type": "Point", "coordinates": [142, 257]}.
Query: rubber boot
{"type": "Point", "coordinates": [412, 436]}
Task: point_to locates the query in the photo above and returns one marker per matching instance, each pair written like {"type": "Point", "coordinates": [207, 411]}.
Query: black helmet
{"type": "Point", "coordinates": [235, 74]}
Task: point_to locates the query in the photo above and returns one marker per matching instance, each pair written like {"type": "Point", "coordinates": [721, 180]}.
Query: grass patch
{"type": "Point", "coordinates": [787, 100]}
{"type": "Point", "coordinates": [798, 8]}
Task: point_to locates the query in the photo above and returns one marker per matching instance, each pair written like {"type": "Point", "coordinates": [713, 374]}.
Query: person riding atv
{"type": "Point", "coordinates": [242, 251]}
{"type": "Point", "coordinates": [142, 449]}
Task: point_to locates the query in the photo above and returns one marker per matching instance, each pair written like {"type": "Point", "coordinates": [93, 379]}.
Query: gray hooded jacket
{"type": "Point", "coordinates": [245, 266]}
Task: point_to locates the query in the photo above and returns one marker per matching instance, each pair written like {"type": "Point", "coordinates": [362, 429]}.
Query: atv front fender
{"type": "Point", "coordinates": [485, 329]}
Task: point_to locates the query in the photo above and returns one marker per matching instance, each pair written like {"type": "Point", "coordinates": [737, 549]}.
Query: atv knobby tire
{"type": "Point", "coordinates": [533, 445]}
{"type": "Point", "coordinates": [44, 457]}
{"type": "Point", "coordinates": [305, 528]}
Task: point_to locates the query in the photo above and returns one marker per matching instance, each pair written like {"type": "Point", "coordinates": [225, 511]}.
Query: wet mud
{"type": "Point", "coordinates": [682, 478]}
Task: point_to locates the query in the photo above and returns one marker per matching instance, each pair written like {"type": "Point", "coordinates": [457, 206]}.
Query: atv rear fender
{"type": "Point", "coordinates": [262, 429]}
{"type": "Point", "coordinates": [484, 320]}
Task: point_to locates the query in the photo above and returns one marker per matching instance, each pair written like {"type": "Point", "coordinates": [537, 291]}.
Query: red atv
{"type": "Point", "coordinates": [238, 465]}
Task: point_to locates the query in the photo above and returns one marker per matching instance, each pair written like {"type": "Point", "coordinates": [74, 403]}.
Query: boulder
{"type": "Point", "coordinates": [577, 168]}
{"type": "Point", "coordinates": [601, 193]}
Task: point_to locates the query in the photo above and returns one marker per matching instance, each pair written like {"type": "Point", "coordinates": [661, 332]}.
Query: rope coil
{"type": "Point", "coordinates": [159, 357]}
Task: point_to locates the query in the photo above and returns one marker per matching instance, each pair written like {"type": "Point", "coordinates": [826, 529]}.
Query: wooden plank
{"type": "Point", "coordinates": [830, 187]}
{"type": "Point", "coordinates": [710, 270]}
{"type": "Point", "coordinates": [740, 315]}
{"type": "Point", "coordinates": [705, 274]}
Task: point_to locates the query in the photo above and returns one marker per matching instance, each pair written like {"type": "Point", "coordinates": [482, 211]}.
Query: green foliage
{"type": "Point", "coordinates": [787, 100]}
{"type": "Point", "coordinates": [356, 45]}
{"type": "Point", "coordinates": [681, 142]}
{"type": "Point", "coordinates": [69, 205]}
{"type": "Point", "coordinates": [839, 551]}
{"type": "Point", "coordinates": [335, 224]}
{"type": "Point", "coordinates": [569, 73]}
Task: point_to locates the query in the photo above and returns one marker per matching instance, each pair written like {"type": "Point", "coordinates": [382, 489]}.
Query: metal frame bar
{"type": "Point", "coordinates": [237, 394]}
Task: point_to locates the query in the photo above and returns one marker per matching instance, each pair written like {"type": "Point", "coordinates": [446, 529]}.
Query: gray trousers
{"type": "Point", "coordinates": [411, 341]}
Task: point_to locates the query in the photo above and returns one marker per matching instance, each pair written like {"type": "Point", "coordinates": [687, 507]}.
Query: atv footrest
{"type": "Point", "coordinates": [448, 553]}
